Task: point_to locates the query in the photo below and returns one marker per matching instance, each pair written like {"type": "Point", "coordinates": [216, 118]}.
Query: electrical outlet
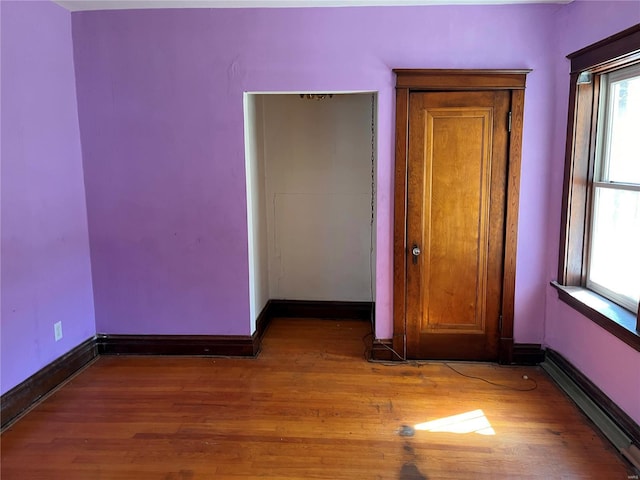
{"type": "Point", "coordinates": [57, 330]}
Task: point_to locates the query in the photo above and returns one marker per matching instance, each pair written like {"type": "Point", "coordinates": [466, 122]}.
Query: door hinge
{"type": "Point", "coordinates": [509, 122]}
{"type": "Point", "coordinates": [500, 323]}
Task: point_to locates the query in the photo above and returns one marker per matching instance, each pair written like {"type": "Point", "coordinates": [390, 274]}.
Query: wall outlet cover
{"type": "Point", "coordinates": [57, 330]}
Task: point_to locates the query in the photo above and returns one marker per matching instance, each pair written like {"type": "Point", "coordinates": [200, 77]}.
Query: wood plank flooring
{"type": "Point", "coordinates": [309, 407]}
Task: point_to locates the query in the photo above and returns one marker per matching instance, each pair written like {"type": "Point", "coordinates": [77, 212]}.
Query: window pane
{"type": "Point", "coordinates": [615, 256]}
{"type": "Point", "coordinates": [624, 131]}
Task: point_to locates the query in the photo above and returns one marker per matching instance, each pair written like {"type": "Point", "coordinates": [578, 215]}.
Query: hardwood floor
{"type": "Point", "coordinates": [309, 407]}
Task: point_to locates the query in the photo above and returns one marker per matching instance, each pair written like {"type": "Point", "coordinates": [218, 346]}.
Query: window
{"type": "Point", "coordinates": [614, 253]}
{"type": "Point", "coordinates": [599, 268]}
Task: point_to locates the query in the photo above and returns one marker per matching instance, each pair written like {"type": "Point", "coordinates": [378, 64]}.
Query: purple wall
{"type": "Point", "coordinates": [160, 105]}
{"type": "Point", "coordinates": [609, 363]}
{"type": "Point", "coordinates": [46, 274]}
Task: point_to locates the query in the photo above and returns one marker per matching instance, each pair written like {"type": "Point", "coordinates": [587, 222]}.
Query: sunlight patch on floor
{"type": "Point", "coordinates": [469, 422]}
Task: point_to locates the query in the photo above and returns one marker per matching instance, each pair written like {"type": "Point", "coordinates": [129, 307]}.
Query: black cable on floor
{"type": "Point", "coordinates": [417, 363]}
{"type": "Point", "coordinates": [525, 377]}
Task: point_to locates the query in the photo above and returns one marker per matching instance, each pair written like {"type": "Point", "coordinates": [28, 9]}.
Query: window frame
{"type": "Point", "coordinates": [615, 52]}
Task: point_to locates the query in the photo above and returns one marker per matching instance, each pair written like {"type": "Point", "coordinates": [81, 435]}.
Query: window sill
{"type": "Point", "coordinates": [610, 316]}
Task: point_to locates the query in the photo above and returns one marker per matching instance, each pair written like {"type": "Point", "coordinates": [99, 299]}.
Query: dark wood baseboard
{"type": "Point", "coordinates": [205, 345]}
{"type": "Point", "coordinates": [20, 398]}
{"type": "Point", "coordinates": [382, 350]}
{"type": "Point", "coordinates": [188, 345]}
{"type": "Point", "coordinates": [263, 321]}
{"type": "Point", "coordinates": [505, 351]}
{"type": "Point", "coordinates": [613, 411]}
{"type": "Point", "coordinates": [321, 309]}
{"type": "Point", "coordinates": [527, 354]}
{"type": "Point", "coordinates": [519, 354]}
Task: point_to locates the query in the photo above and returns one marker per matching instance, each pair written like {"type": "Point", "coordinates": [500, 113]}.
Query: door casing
{"type": "Point", "coordinates": [424, 80]}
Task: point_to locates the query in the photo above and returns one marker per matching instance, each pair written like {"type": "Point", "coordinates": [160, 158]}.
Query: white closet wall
{"type": "Point", "coordinates": [256, 207]}
{"type": "Point", "coordinates": [317, 174]}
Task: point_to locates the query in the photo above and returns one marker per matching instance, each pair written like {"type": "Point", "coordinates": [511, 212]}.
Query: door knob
{"type": "Point", "coordinates": [415, 251]}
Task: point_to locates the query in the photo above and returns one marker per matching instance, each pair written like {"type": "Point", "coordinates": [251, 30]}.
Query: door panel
{"type": "Point", "coordinates": [455, 216]}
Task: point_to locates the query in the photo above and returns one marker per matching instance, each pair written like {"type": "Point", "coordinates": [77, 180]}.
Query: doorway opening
{"type": "Point", "coordinates": [310, 164]}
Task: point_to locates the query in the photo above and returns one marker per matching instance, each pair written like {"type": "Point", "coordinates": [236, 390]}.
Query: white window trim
{"type": "Point", "coordinates": [602, 156]}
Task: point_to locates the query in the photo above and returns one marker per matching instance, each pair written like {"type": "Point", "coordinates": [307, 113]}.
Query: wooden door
{"type": "Point", "coordinates": [456, 194]}
{"type": "Point", "coordinates": [457, 172]}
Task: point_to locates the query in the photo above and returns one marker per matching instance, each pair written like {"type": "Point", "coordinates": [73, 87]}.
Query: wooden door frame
{"type": "Point", "coordinates": [425, 80]}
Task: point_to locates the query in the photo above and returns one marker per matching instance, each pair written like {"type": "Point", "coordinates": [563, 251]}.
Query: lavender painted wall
{"type": "Point", "coordinates": [46, 274]}
{"type": "Point", "coordinates": [610, 364]}
{"type": "Point", "coordinates": [160, 105]}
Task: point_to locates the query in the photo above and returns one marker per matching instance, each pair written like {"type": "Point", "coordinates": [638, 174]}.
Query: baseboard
{"type": "Point", "coordinates": [382, 350]}
{"type": "Point", "coordinates": [188, 345]}
{"type": "Point", "coordinates": [193, 345]}
{"type": "Point", "coordinates": [556, 365]}
{"type": "Point", "coordinates": [321, 309]}
{"type": "Point", "coordinates": [520, 353]}
{"type": "Point", "coordinates": [505, 350]}
{"type": "Point", "coordinates": [527, 354]}
{"type": "Point", "coordinates": [263, 321]}
{"type": "Point", "coordinates": [20, 398]}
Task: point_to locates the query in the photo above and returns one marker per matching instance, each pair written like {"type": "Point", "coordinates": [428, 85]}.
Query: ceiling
{"type": "Point", "coordinates": [77, 5]}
